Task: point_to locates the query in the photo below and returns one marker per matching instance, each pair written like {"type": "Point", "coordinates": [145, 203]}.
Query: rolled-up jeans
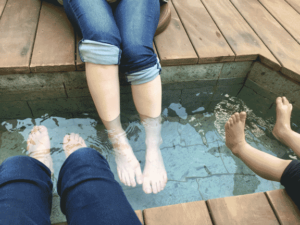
{"type": "Point", "coordinates": [89, 193]}
{"type": "Point", "coordinates": [118, 34]}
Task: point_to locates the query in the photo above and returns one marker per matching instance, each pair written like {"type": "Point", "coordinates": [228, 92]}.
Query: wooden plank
{"type": "Point", "coordinates": [206, 38]}
{"type": "Point", "coordinates": [17, 31]}
{"type": "Point", "coordinates": [139, 214]}
{"type": "Point", "coordinates": [285, 209]}
{"type": "Point", "coordinates": [192, 213]}
{"type": "Point", "coordinates": [285, 15]}
{"type": "Point", "coordinates": [243, 209]}
{"type": "Point", "coordinates": [173, 45]}
{"type": "Point", "coordinates": [2, 5]}
{"type": "Point", "coordinates": [275, 37]}
{"type": "Point", "coordinates": [240, 36]}
{"type": "Point", "coordinates": [54, 48]}
{"type": "Point", "coordinates": [295, 4]}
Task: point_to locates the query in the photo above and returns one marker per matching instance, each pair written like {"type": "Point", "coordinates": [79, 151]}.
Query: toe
{"type": "Point", "coordinates": [66, 139]}
{"type": "Point", "coordinates": [43, 129]}
{"type": "Point", "coordinates": [82, 142]}
{"type": "Point", "coordinates": [230, 121]}
{"type": "Point", "coordinates": [126, 178]}
{"type": "Point", "coordinates": [72, 136]}
{"type": "Point", "coordinates": [243, 116]}
{"type": "Point", "coordinates": [132, 180]}
{"type": "Point", "coordinates": [291, 106]}
{"type": "Point", "coordinates": [76, 137]}
{"type": "Point", "coordinates": [233, 118]}
{"type": "Point", "coordinates": [154, 187]}
{"type": "Point", "coordinates": [285, 101]}
{"type": "Point", "coordinates": [279, 101]}
{"type": "Point", "coordinates": [146, 186]}
{"type": "Point", "coordinates": [159, 188]}
{"type": "Point", "coordinates": [237, 117]}
{"type": "Point", "coordinates": [227, 125]}
{"type": "Point", "coordinates": [139, 175]}
{"type": "Point", "coordinates": [120, 175]}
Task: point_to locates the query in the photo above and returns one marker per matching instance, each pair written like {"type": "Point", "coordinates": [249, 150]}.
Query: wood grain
{"type": "Point", "coordinates": [240, 36]}
{"type": "Point", "coordinates": [17, 31]}
{"type": "Point", "coordinates": [284, 208]}
{"type": "Point", "coordinates": [173, 45]}
{"type": "Point", "coordinates": [54, 47]}
{"type": "Point", "coordinates": [295, 4]}
{"type": "Point", "coordinates": [285, 15]}
{"type": "Point", "coordinates": [242, 209]}
{"type": "Point", "coordinates": [192, 213]}
{"type": "Point", "coordinates": [2, 5]}
{"type": "Point", "coordinates": [276, 38]}
{"type": "Point", "coordinates": [206, 38]}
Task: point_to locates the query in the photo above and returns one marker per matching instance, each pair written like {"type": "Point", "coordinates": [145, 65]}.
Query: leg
{"type": "Point", "coordinates": [89, 193]}
{"type": "Point", "coordinates": [100, 49]}
{"type": "Point", "coordinates": [282, 129]}
{"type": "Point", "coordinates": [140, 64]}
{"type": "Point", "coordinates": [25, 183]}
{"type": "Point", "coordinates": [263, 164]}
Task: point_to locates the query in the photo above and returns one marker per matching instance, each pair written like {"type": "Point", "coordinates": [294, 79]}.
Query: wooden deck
{"type": "Point", "coordinates": [36, 36]}
{"type": "Point", "coordinates": [272, 207]}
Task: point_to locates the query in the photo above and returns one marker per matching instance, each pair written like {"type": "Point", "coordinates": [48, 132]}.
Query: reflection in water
{"type": "Point", "coordinates": [194, 150]}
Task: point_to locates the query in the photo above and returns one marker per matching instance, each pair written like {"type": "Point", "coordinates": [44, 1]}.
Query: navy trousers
{"type": "Point", "coordinates": [89, 193]}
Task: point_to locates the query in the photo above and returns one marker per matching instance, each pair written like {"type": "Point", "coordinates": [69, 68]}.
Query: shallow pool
{"type": "Point", "coordinates": [198, 163]}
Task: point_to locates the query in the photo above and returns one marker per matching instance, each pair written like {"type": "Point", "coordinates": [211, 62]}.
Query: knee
{"type": "Point", "coordinates": [137, 53]}
{"type": "Point", "coordinates": [16, 160]}
{"type": "Point", "coordinates": [87, 155]}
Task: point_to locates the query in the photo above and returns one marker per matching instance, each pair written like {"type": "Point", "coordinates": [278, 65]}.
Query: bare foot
{"type": "Point", "coordinates": [155, 175]}
{"type": "Point", "coordinates": [234, 132]}
{"type": "Point", "coordinates": [72, 142]}
{"type": "Point", "coordinates": [128, 166]}
{"type": "Point", "coordinates": [283, 118]}
{"type": "Point", "coordinates": [38, 146]}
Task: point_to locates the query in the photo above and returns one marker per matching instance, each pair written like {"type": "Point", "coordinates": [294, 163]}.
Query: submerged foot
{"type": "Point", "coordinates": [155, 175]}
{"type": "Point", "coordinates": [72, 142]}
{"type": "Point", "coordinates": [128, 167]}
{"type": "Point", "coordinates": [283, 118]}
{"type": "Point", "coordinates": [234, 132]}
{"type": "Point", "coordinates": [38, 146]}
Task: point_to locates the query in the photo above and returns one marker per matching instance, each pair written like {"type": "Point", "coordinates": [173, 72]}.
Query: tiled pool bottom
{"type": "Point", "coordinates": [198, 163]}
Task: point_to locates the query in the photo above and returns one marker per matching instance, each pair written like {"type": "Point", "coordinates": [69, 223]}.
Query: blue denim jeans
{"type": "Point", "coordinates": [118, 34]}
{"type": "Point", "coordinates": [89, 193]}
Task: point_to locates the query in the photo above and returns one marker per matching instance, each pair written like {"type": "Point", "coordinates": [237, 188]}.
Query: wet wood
{"type": "Point", "coordinates": [295, 4]}
{"type": "Point", "coordinates": [17, 31]}
{"type": "Point", "coordinates": [139, 214]}
{"type": "Point", "coordinates": [276, 38]}
{"type": "Point", "coordinates": [54, 48]}
{"type": "Point", "coordinates": [191, 213]}
{"type": "Point", "coordinates": [206, 38]}
{"type": "Point", "coordinates": [284, 208]}
{"type": "Point", "coordinates": [2, 5]}
{"type": "Point", "coordinates": [242, 209]}
{"type": "Point", "coordinates": [285, 15]}
{"type": "Point", "coordinates": [240, 36]}
{"type": "Point", "coordinates": [173, 45]}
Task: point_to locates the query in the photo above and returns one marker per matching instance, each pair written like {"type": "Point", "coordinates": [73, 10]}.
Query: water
{"type": "Point", "coordinates": [198, 163]}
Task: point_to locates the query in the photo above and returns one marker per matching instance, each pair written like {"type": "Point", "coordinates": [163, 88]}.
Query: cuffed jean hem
{"type": "Point", "coordinates": [99, 52]}
{"type": "Point", "coordinates": [145, 75]}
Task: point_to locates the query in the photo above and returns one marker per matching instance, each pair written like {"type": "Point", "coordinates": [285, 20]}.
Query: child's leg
{"type": "Point", "coordinates": [282, 129]}
{"type": "Point", "coordinates": [263, 164]}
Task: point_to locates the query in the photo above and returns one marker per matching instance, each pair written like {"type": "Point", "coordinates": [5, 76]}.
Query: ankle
{"type": "Point", "coordinates": [237, 148]}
